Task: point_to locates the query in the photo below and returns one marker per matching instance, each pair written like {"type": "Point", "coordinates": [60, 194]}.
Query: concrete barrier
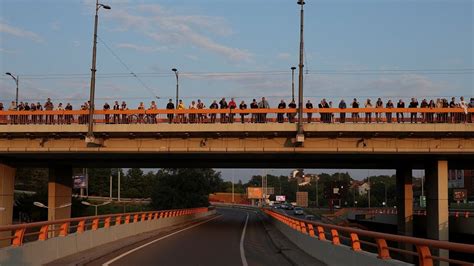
{"type": "Point", "coordinates": [42, 252]}
{"type": "Point", "coordinates": [329, 253]}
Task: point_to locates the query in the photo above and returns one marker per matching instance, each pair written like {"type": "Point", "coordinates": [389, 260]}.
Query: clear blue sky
{"type": "Point", "coordinates": [48, 43]}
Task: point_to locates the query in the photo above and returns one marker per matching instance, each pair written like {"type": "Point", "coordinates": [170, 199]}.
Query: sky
{"type": "Point", "coordinates": [244, 49]}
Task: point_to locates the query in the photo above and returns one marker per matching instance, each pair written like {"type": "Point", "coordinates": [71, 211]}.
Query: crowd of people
{"type": "Point", "coordinates": [228, 117]}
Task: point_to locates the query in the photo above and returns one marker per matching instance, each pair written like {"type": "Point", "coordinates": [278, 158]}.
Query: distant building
{"type": "Point", "coordinates": [363, 188]}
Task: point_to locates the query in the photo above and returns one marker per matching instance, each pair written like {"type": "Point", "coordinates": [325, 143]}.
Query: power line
{"type": "Point", "coordinates": [126, 66]}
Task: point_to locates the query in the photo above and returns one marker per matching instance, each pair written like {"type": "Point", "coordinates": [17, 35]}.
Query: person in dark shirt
{"type": "Point", "coordinates": [116, 116]}
{"type": "Point", "coordinates": [424, 117]}
{"type": "Point", "coordinates": [107, 116]}
{"type": "Point", "coordinates": [254, 105]}
{"type": "Point", "coordinates": [430, 116]}
{"type": "Point", "coordinates": [123, 107]}
{"type": "Point", "coordinates": [309, 106]}
{"type": "Point", "coordinates": [378, 104]}
{"type": "Point", "coordinates": [34, 118]}
{"type": "Point", "coordinates": [242, 106]}
{"type": "Point", "coordinates": [26, 108]}
{"type": "Point", "coordinates": [291, 116]}
{"type": "Point", "coordinates": [400, 117]}
{"type": "Point", "coordinates": [170, 106]}
{"type": "Point", "coordinates": [413, 115]}
{"type": "Point", "coordinates": [69, 118]}
{"type": "Point", "coordinates": [452, 104]}
{"type": "Point", "coordinates": [213, 106]}
{"type": "Point", "coordinates": [342, 116]}
{"type": "Point", "coordinates": [223, 105]}
{"type": "Point", "coordinates": [280, 116]}
{"type": "Point", "coordinates": [355, 116]}
{"type": "Point", "coordinates": [39, 108]}
{"type": "Point", "coordinates": [388, 115]}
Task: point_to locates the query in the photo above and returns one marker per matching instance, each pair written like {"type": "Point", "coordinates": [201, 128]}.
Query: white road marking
{"type": "Point", "coordinates": [156, 240]}
{"type": "Point", "coordinates": [242, 251]}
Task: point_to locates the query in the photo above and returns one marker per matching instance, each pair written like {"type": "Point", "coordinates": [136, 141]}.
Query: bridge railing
{"type": "Point", "coordinates": [353, 237]}
{"type": "Point", "coordinates": [393, 211]}
{"type": "Point", "coordinates": [326, 115]}
{"type": "Point", "coordinates": [41, 231]}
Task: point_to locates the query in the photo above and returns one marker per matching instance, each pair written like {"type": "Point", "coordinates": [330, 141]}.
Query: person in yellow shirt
{"type": "Point", "coordinates": [181, 117]}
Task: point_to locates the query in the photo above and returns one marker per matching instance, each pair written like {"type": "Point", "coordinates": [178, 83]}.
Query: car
{"type": "Point", "coordinates": [298, 211]}
{"type": "Point", "coordinates": [310, 217]}
{"type": "Point", "coordinates": [289, 207]}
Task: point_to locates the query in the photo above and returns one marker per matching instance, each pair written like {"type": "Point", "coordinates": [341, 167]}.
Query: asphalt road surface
{"type": "Point", "coordinates": [211, 242]}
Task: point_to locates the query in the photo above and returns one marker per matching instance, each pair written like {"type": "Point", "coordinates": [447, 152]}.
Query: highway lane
{"type": "Point", "coordinates": [216, 242]}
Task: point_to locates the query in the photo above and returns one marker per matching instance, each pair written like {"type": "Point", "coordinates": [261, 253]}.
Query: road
{"type": "Point", "coordinates": [214, 242]}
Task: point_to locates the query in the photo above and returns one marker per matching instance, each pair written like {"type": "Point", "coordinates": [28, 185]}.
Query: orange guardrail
{"type": "Point", "coordinates": [352, 237]}
{"type": "Point", "coordinates": [40, 231]}
{"type": "Point", "coordinates": [443, 115]}
{"type": "Point", "coordinates": [375, 211]}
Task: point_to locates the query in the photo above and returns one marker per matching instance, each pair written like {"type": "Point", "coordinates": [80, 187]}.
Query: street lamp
{"type": "Point", "coordinates": [95, 205]}
{"type": "Point", "coordinates": [300, 134]}
{"type": "Point", "coordinates": [41, 205]}
{"type": "Point", "coordinates": [177, 85]}
{"type": "Point", "coordinates": [16, 79]}
{"type": "Point", "coordinates": [293, 83]}
{"type": "Point", "coordinates": [90, 133]}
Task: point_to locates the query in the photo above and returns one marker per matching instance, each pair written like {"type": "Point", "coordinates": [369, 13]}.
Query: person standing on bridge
{"type": "Point", "coordinates": [413, 115]}
{"type": "Point", "coordinates": [291, 116]}
{"type": "Point", "coordinates": [116, 116]}
{"type": "Point", "coordinates": [60, 116]}
{"type": "Point", "coordinates": [170, 106]}
{"type": "Point", "coordinates": [242, 106]}
{"type": "Point", "coordinates": [152, 116]}
{"type": "Point", "coordinates": [181, 107]}
{"type": "Point", "coordinates": [223, 105]}
{"type": "Point", "coordinates": [263, 104]}
{"type": "Point", "coordinates": [213, 106]}
{"type": "Point", "coordinates": [309, 106]}
{"type": "Point", "coordinates": [342, 116]}
{"type": "Point", "coordinates": [280, 116]}
{"type": "Point", "coordinates": [192, 116]}
{"type": "Point", "coordinates": [368, 115]}
{"type": "Point", "coordinates": [388, 115]}
{"type": "Point", "coordinates": [355, 116]}
{"type": "Point", "coordinates": [378, 116]}
{"type": "Point", "coordinates": [69, 118]}
{"type": "Point", "coordinates": [200, 106]}
{"type": "Point", "coordinates": [232, 106]}
{"type": "Point", "coordinates": [254, 105]}
{"type": "Point", "coordinates": [107, 116]}
{"type": "Point", "coordinates": [49, 106]}
{"type": "Point", "coordinates": [430, 116]}
{"type": "Point", "coordinates": [123, 107]}
{"type": "Point", "coordinates": [400, 117]}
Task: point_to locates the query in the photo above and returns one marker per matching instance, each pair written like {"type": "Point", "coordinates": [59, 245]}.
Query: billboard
{"type": "Point", "coordinates": [79, 181]}
{"type": "Point", "coordinates": [280, 198]}
{"type": "Point", "coordinates": [302, 198]}
{"type": "Point", "coordinates": [254, 193]}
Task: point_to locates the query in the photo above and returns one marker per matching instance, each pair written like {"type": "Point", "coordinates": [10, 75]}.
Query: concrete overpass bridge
{"type": "Point", "coordinates": [435, 147]}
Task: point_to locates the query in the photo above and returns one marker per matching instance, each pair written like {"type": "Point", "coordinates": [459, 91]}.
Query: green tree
{"type": "Point", "coordinates": [184, 188]}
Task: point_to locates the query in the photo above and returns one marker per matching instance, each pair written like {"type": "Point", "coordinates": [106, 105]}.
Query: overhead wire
{"type": "Point", "coordinates": [127, 67]}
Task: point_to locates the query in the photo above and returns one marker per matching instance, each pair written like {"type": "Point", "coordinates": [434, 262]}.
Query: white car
{"type": "Point", "coordinates": [298, 211]}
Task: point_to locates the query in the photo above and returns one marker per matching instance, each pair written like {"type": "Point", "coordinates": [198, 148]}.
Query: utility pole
{"type": "Point", "coordinates": [119, 177]}
{"type": "Point", "coordinates": [90, 134]}
{"type": "Point", "coordinates": [300, 134]}
{"type": "Point", "coordinates": [233, 174]}
{"type": "Point", "coordinates": [110, 188]}
{"type": "Point", "coordinates": [17, 80]}
{"type": "Point", "coordinates": [317, 192]}
{"type": "Point", "coordinates": [368, 181]}
{"type": "Point", "coordinates": [293, 83]}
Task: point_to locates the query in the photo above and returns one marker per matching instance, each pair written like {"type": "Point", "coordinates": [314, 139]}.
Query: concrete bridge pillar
{"type": "Point", "coordinates": [405, 203]}
{"type": "Point", "coordinates": [7, 184]}
{"type": "Point", "coordinates": [59, 192]}
{"type": "Point", "coordinates": [437, 209]}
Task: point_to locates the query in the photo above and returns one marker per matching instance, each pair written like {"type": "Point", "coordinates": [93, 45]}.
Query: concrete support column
{"type": "Point", "coordinates": [59, 192]}
{"type": "Point", "coordinates": [437, 209]}
{"type": "Point", "coordinates": [405, 205]}
{"type": "Point", "coordinates": [7, 184]}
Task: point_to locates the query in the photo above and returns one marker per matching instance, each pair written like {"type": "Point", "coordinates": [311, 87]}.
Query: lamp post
{"type": "Point", "coordinates": [16, 79]}
{"type": "Point", "coordinates": [176, 73]}
{"type": "Point", "coordinates": [300, 135]}
{"type": "Point", "coordinates": [90, 133]}
{"type": "Point", "coordinates": [95, 205]}
{"type": "Point", "coordinates": [293, 83]}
